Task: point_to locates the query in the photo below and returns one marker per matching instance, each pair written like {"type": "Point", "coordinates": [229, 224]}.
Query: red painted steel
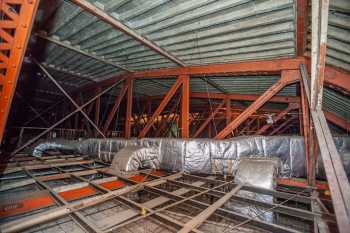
{"type": "Point", "coordinates": [112, 185]}
{"type": "Point", "coordinates": [14, 36]}
{"type": "Point", "coordinates": [283, 126]}
{"type": "Point", "coordinates": [78, 193]}
{"type": "Point", "coordinates": [287, 77]}
{"type": "Point", "coordinates": [337, 120]}
{"type": "Point", "coordinates": [185, 106]}
{"type": "Point", "coordinates": [208, 119]}
{"type": "Point", "coordinates": [128, 116]}
{"type": "Point", "coordinates": [138, 178]}
{"type": "Point", "coordinates": [161, 106]}
{"type": "Point", "coordinates": [302, 18]}
{"type": "Point", "coordinates": [278, 117]}
{"type": "Point", "coordinates": [321, 185]}
{"type": "Point", "coordinates": [25, 205]}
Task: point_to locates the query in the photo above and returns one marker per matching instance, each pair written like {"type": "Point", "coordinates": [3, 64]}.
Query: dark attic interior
{"type": "Point", "coordinates": [157, 116]}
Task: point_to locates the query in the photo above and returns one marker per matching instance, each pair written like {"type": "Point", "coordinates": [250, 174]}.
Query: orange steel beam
{"type": "Point", "coordinates": [334, 77]}
{"type": "Point", "coordinates": [287, 77]}
{"type": "Point", "coordinates": [116, 105]}
{"type": "Point", "coordinates": [185, 107]}
{"type": "Point", "coordinates": [208, 120]}
{"type": "Point", "coordinates": [128, 117]}
{"type": "Point", "coordinates": [284, 124]}
{"type": "Point", "coordinates": [302, 17]}
{"type": "Point", "coordinates": [14, 36]}
{"type": "Point", "coordinates": [337, 120]}
{"type": "Point", "coordinates": [267, 66]}
{"type": "Point", "coordinates": [161, 106]}
{"type": "Point", "coordinates": [242, 97]}
{"type": "Point", "coordinates": [274, 66]}
{"type": "Point", "coordinates": [278, 117]}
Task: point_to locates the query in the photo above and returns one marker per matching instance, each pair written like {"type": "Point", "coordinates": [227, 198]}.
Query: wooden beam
{"type": "Point", "coordinates": [204, 215]}
{"type": "Point", "coordinates": [288, 77]}
{"type": "Point", "coordinates": [318, 50]}
{"type": "Point", "coordinates": [336, 176]}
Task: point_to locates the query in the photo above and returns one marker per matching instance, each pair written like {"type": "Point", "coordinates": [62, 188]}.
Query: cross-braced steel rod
{"type": "Point", "coordinates": [32, 108]}
{"type": "Point", "coordinates": [70, 98]}
{"type": "Point", "coordinates": [65, 118]}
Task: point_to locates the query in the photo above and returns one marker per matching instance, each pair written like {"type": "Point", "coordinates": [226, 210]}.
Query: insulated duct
{"type": "Point", "coordinates": [213, 156]}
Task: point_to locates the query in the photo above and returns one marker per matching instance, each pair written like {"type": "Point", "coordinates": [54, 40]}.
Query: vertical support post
{"type": "Point", "coordinates": [302, 16]}
{"type": "Point", "coordinates": [128, 117]}
{"type": "Point", "coordinates": [185, 107]}
{"type": "Point", "coordinates": [98, 107]}
{"type": "Point", "coordinates": [318, 50]}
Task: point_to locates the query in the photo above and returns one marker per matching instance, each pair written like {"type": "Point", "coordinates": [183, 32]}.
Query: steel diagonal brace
{"type": "Point", "coordinates": [287, 77]}
{"type": "Point", "coordinates": [278, 117]}
{"type": "Point", "coordinates": [65, 118]}
{"type": "Point", "coordinates": [70, 98]}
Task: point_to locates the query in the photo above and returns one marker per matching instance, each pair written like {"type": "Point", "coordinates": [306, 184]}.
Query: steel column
{"type": "Point", "coordinates": [185, 107]}
{"type": "Point", "coordinates": [287, 77]}
{"type": "Point", "coordinates": [128, 116]}
{"type": "Point", "coordinates": [302, 16]}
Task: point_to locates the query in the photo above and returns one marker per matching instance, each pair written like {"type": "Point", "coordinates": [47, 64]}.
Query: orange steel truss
{"type": "Point", "coordinates": [287, 77]}
{"type": "Point", "coordinates": [15, 26]}
{"type": "Point", "coordinates": [16, 22]}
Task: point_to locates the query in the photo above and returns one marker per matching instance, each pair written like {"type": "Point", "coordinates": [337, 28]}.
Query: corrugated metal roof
{"type": "Point", "coordinates": [194, 31]}
{"type": "Point", "coordinates": [336, 102]}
